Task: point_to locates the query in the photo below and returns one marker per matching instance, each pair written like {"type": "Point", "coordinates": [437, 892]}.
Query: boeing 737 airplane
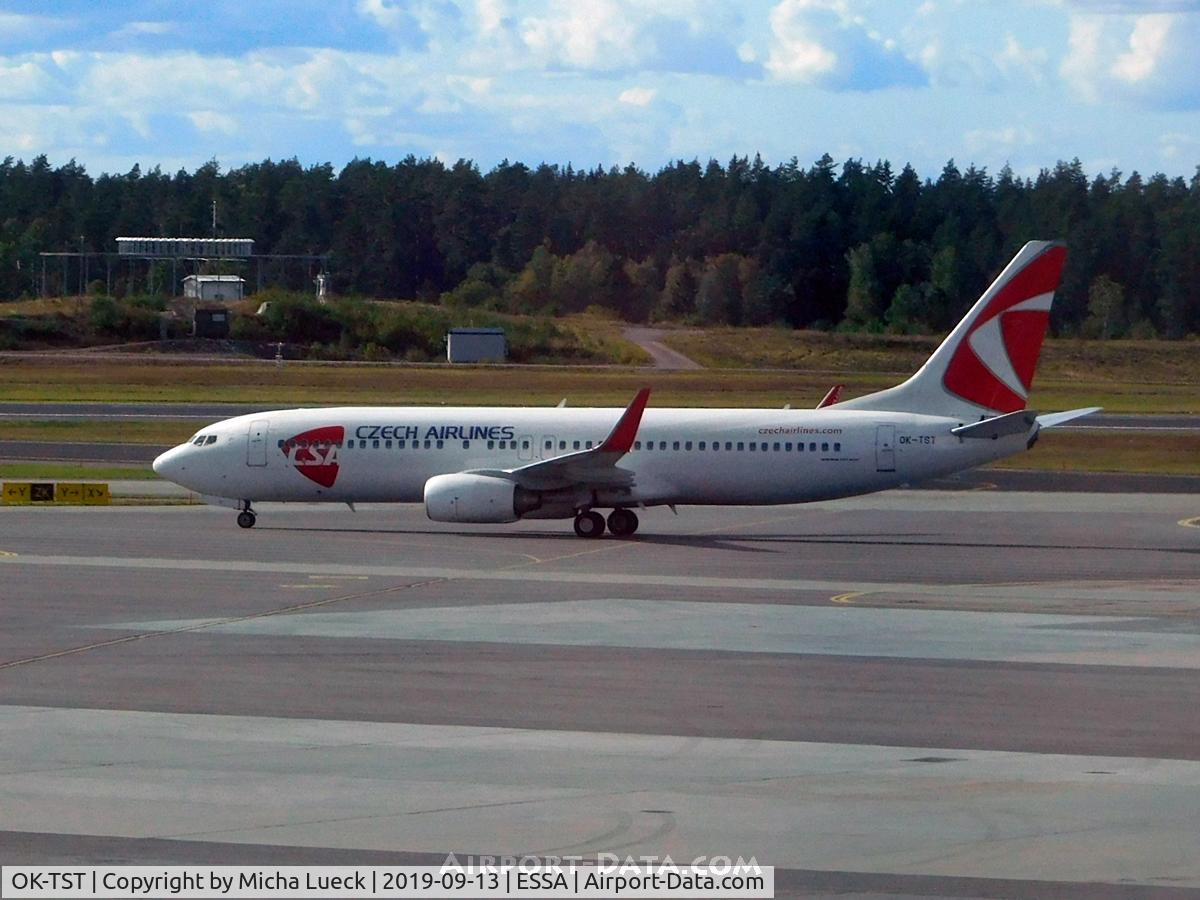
{"type": "Point", "coordinates": [965, 407]}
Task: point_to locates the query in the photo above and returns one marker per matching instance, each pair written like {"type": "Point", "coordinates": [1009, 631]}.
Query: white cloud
{"type": "Point", "coordinates": [45, 128]}
{"type": "Point", "coordinates": [415, 23]}
{"type": "Point", "coordinates": [1018, 62]}
{"type": "Point", "coordinates": [491, 15]}
{"type": "Point", "coordinates": [1147, 43]}
{"type": "Point", "coordinates": [1176, 147]}
{"type": "Point", "coordinates": [821, 43]}
{"type": "Point", "coordinates": [998, 141]}
{"type": "Point", "coordinates": [24, 81]}
{"type": "Point", "coordinates": [141, 29]}
{"type": "Point", "coordinates": [386, 15]}
{"type": "Point", "coordinates": [1145, 59]}
{"type": "Point", "coordinates": [638, 96]}
{"type": "Point", "coordinates": [798, 54]}
{"type": "Point", "coordinates": [16, 26]}
{"type": "Point", "coordinates": [586, 34]}
{"type": "Point", "coordinates": [1134, 7]}
{"type": "Point", "coordinates": [689, 36]}
{"type": "Point", "coordinates": [212, 121]}
{"type": "Point", "coordinates": [953, 63]}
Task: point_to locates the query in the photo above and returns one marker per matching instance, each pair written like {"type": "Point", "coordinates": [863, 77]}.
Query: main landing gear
{"type": "Point", "coordinates": [621, 522]}
{"type": "Point", "coordinates": [246, 518]}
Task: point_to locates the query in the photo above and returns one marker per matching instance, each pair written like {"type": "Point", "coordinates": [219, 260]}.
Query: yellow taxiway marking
{"type": "Point", "coordinates": [1193, 522]}
{"type": "Point", "coordinates": [7, 553]}
{"type": "Point", "coordinates": [845, 598]}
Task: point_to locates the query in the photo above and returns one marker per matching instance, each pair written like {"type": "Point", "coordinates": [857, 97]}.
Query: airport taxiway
{"type": "Point", "coordinates": [211, 412]}
{"type": "Point", "coordinates": [951, 693]}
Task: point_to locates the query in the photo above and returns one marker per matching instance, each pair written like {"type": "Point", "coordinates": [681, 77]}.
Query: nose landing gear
{"type": "Point", "coordinates": [246, 518]}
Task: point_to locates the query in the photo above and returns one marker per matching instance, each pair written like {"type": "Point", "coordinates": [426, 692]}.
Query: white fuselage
{"type": "Point", "coordinates": [682, 456]}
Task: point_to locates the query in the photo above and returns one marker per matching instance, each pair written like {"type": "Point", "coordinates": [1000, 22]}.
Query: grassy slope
{"type": "Point", "coordinates": [1122, 376]}
{"type": "Point", "coordinates": [584, 337]}
{"type": "Point", "coordinates": [1062, 450]}
{"type": "Point", "coordinates": [154, 379]}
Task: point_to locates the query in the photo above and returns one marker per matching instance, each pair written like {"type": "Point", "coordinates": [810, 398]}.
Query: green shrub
{"type": "Point", "coordinates": [301, 319]}
{"type": "Point", "coordinates": [105, 315]}
{"type": "Point", "coordinates": [249, 328]}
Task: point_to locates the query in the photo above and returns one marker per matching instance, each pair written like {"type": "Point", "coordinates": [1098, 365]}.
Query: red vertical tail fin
{"type": "Point", "coordinates": [985, 366]}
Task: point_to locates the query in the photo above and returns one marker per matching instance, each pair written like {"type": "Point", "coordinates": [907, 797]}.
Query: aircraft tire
{"type": "Point", "coordinates": [589, 524]}
{"type": "Point", "coordinates": [246, 519]}
{"type": "Point", "coordinates": [622, 522]}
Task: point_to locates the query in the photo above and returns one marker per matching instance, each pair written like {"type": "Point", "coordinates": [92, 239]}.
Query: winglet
{"type": "Point", "coordinates": [834, 395]}
{"type": "Point", "coordinates": [620, 439]}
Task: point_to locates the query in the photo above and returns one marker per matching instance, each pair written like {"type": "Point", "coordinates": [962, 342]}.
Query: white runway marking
{"type": "Point", "coordinates": [511, 574]}
{"type": "Point", "coordinates": [748, 628]}
{"type": "Point", "coordinates": [364, 785]}
{"type": "Point", "coordinates": [528, 573]}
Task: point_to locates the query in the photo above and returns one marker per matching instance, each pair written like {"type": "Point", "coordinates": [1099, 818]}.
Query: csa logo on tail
{"type": "Point", "coordinates": [315, 453]}
{"type": "Point", "coordinates": [993, 367]}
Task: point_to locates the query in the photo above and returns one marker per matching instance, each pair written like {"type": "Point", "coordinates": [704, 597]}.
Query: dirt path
{"type": "Point", "coordinates": [663, 357]}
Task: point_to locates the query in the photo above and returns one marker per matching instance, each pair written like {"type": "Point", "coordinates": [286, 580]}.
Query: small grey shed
{"type": "Point", "coordinates": [471, 345]}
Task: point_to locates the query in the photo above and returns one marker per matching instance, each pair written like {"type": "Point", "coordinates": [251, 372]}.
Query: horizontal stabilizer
{"type": "Point", "coordinates": [1017, 422]}
{"type": "Point", "coordinates": [1051, 419]}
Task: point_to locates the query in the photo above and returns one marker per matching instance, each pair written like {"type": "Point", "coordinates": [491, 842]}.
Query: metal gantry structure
{"type": "Point", "coordinates": [194, 253]}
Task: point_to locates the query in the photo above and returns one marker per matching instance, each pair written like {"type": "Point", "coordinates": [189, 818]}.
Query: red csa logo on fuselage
{"type": "Point", "coordinates": [315, 453]}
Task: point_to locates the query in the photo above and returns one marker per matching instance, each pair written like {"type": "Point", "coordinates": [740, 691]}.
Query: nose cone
{"type": "Point", "coordinates": [168, 465]}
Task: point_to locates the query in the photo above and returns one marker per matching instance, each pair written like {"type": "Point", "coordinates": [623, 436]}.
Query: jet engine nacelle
{"type": "Point", "coordinates": [477, 498]}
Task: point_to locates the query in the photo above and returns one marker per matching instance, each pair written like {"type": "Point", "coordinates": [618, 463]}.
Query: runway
{"type": "Point", "coordinates": [919, 693]}
{"type": "Point", "coordinates": [211, 412]}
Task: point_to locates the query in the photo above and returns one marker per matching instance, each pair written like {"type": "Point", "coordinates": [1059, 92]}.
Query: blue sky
{"type": "Point", "coordinates": [1023, 82]}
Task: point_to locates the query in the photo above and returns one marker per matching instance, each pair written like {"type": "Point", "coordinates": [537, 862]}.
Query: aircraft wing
{"type": "Point", "coordinates": [596, 467]}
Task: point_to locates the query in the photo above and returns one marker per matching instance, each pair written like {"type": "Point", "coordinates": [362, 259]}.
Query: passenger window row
{"type": "Point", "coordinates": [733, 446]}
{"type": "Point", "coordinates": [524, 444]}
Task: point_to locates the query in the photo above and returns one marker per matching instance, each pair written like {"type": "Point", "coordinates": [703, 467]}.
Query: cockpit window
{"type": "Point", "coordinates": [199, 440]}
{"type": "Point", "coordinates": [212, 439]}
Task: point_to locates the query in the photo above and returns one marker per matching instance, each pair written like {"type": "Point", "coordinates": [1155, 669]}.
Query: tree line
{"type": "Point", "coordinates": [857, 246]}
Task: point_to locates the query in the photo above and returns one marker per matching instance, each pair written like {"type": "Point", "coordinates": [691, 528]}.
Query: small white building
{"type": "Point", "coordinates": [473, 345]}
{"type": "Point", "coordinates": [214, 287]}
